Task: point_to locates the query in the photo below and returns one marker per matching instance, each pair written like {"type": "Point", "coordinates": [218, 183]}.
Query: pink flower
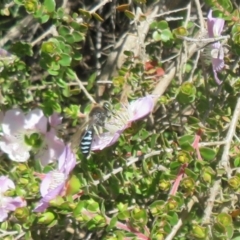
{"type": "Point", "coordinates": [215, 28]}
{"type": "Point", "coordinates": [8, 204]}
{"type": "Point", "coordinates": [53, 184]}
{"type": "Point", "coordinates": [15, 126]}
{"type": "Point", "coordinates": [51, 149]}
{"type": "Point", "coordinates": [121, 120]}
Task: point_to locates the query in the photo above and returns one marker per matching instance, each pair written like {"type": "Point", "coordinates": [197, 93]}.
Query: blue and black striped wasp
{"type": "Point", "coordinates": [96, 119]}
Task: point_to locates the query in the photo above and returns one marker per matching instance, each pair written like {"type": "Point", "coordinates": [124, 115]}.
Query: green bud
{"type": "Point", "coordinates": [139, 216]}
{"type": "Point", "coordinates": [184, 157]}
{"type": "Point", "coordinates": [164, 185]}
{"type": "Point", "coordinates": [119, 81]}
{"type": "Point", "coordinates": [224, 219]}
{"type": "Point", "coordinates": [22, 214]}
{"type": "Point", "coordinates": [187, 93]}
{"type": "Point", "coordinates": [158, 236]}
{"type": "Point", "coordinates": [234, 182]}
{"type": "Point", "coordinates": [163, 100]}
{"type": "Point", "coordinates": [182, 31]}
{"type": "Point", "coordinates": [48, 47]}
{"type": "Point", "coordinates": [46, 218]}
{"type": "Point", "coordinates": [207, 174]}
{"type": "Point", "coordinates": [199, 232]}
{"type": "Point", "coordinates": [23, 181]}
{"type": "Point", "coordinates": [34, 188]}
{"type": "Point", "coordinates": [157, 207]}
{"type": "Point", "coordinates": [22, 167]}
{"type": "Point", "coordinates": [30, 5]}
{"type": "Point", "coordinates": [188, 183]}
{"type": "Point", "coordinates": [172, 204]}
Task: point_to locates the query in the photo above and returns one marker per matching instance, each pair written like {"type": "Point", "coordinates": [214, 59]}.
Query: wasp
{"type": "Point", "coordinates": [84, 136]}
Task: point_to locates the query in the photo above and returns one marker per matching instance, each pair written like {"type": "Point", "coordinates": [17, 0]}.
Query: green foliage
{"type": "Point", "coordinates": [167, 170]}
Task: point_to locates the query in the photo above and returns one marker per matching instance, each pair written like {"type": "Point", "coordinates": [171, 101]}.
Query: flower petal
{"type": "Point", "coordinates": [51, 149]}
{"type": "Point", "coordinates": [67, 161]}
{"type": "Point", "coordinates": [104, 140]}
{"type": "Point", "coordinates": [13, 121]}
{"type": "Point", "coordinates": [55, 119]}
{"type": "Point", "coordinates": [6, 184]}
{"type": "Point", "coordinates": [141, 107]}
{"type": "Point", "coordinates": [36, 120]}
{"type": "Point", "coordinates": [215, 25]}
{"type": "Point", "coordinates": [3, 214]}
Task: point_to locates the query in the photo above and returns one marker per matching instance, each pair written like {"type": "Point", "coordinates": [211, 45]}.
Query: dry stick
{"type": "Point", "coordinates": [224, 163]}
{"type": "Point", "coordinates": [129, 42]}
{"type": "Point", "coordinates": [200, 14]}
{"type": "Point", "coordinates": [15, 31]}
{"type": "Point", "coordinates": [190, 204]}
{"type": "Point", "coordinates": [52, 30]}
{"type": "Point", "coordinates": [101, 3]}
{"type": "Point", "coordinates": [84, 89]}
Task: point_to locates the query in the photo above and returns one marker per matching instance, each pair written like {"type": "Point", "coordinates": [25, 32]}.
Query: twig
{"type": "Point", "coordinates": [210, 202]}
{"type": "Point", "coordinates": [99, 5]}
{"type": "Point", "coordinates": [15, 31]}
{"type": "Point", "coordinates": [169, 12]}
{"type": "Point", "coordinates": [84, 89]}
{"type": "Point", "coordinates": [199, 13]}
{"type": "Point", "coordinates": [197, 40]}
{"type": "Point", "coordinates": [190, 204]}
{"type": "Point", "coordinates": [194, 67]}
{"type": "Point", "coordinates": [51, 30]}
{"type": "Point", "coordinates": [224, 163]}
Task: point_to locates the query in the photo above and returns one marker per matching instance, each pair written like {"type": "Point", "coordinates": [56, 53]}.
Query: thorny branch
{"type": "Point", "coordinates": [223, 164]}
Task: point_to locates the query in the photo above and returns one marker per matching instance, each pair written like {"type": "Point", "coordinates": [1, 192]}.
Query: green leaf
{"type": "Point", "coordinates": [65, 60]}
{"type": "Point", "coordinates": [156, 36]}
{"type": "Point", "coordinates": [207, 153]}
{"type": "Point", "coordinates": [22, 49]}
{"type": "Point", "coordinates": [173, 218]}
{"type": "Point", "coordinates": [77, 36]}
{"type": "Point", "coordinates": [112, 223]}
{"type": "Point", "coordinates": [63, 30]}
{"type": "Point", "coordinates": [70, 73]}
{"type": "Point", "coordinates": [97, 17]}
{"type": "Point", "coordinates": [77, 56]}
{"type": "Point", "coordinates": [61, 83]}
{"type": "Point", "coordinates": [162, 25]}
{"type": "Point", "coordinates": [166, 35]}
{"type": "Point", "coordinates": [49, 5]}
{"type": "Point", "coordinates": [69, 38]}
{"type": "Point", "coordinates": [91, 81]}
{"type": "Point", "coordinates": [52, 72]}
{"type": "Point", "coordinates": [129, 14]}
{"type": "Point", "coordinates": [186, 139]}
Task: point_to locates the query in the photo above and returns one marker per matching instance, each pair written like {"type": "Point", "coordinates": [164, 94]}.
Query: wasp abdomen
{"type": "Point", "coordinates": [86, 142]}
